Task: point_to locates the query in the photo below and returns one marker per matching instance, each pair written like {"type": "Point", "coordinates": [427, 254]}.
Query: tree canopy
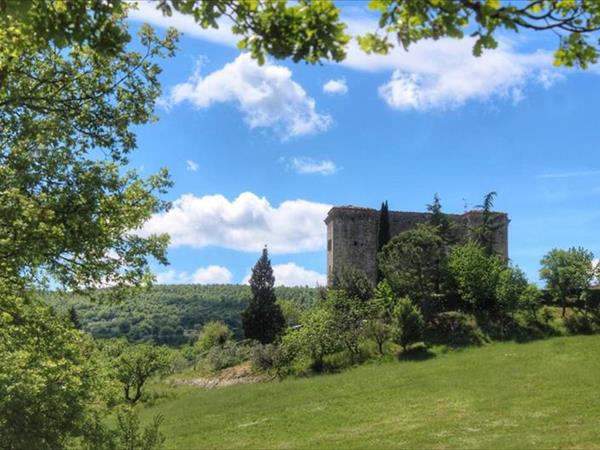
{"type": "Point", "coordinates": [567, 272]}
{"type": "Point", "coordinates": [314, 30]}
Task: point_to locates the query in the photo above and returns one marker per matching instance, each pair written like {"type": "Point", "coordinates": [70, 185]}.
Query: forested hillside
{"type": "Point", "coordinates": [173, 314]}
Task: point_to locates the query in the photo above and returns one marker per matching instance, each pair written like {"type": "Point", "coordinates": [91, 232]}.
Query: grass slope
{"type": "Point", "coordinates": [537, 395]}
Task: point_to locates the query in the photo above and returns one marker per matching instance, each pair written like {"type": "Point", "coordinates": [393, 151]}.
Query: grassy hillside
{"type": "Point", "coordinates": [171, 314]}
{"type": "Point", "coordinates": [537, 395]}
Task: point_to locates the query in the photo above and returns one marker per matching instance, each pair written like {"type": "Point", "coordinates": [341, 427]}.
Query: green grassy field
{"type": "Point", "coordinates": [544, 394]}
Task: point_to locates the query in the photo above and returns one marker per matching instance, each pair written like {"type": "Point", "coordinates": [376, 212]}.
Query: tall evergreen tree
{"type": "Point", "coordinates": [384, 226]}
{"type": "Point", "coordinates": [383, 234]}
{"type": "Point", "coordinates": [263, 319]}
{"type": "Point", "coordinates": [440, 221]}
{"type": "Point", "coordinates": [484, 232]}
{"type": "Point", "coordinates": [74, 318]}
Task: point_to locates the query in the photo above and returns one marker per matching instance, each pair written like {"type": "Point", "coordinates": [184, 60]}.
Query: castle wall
{"type": "Point", "coordinates": [352, 235]}
{"type": "Point", "coordinates": [352, 241]}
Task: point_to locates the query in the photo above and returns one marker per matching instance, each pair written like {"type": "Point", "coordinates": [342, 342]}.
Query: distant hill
{"type": "Point", "coordinates": [172, 314]}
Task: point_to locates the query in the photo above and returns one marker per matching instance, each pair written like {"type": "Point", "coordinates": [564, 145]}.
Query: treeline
{"type": "Point", "coordinates": [173, 314]}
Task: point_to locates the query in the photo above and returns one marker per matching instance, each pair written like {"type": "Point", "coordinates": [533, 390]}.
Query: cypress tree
{"type": "Point", "coordinates": [383, 234]}
{"type": "Point", "coordinates": [74, 318]}
{"type": "Point", "coordinates": [263, 319]}
{"type": "Point", "coordinates": [384, 226]}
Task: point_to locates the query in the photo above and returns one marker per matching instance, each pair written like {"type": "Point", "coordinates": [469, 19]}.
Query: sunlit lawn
{"type": "Point", "coordinates": [544, 394]}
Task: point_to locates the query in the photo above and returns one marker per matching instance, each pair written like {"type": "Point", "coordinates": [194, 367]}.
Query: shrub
{"type": "Point", "coordinates": [379, 330]}
{"type": "Point", "coordinates": [230, 354]}
{"type": "Point", "coordinates": [407, 323]}
{"type": "Point", "coordinates": [579, 323]}
{"type": "Point", "coordinates": [475, 274]}
{"type": "Point", "coordinates": [454, 328]}
{"type": "Point", "coordinates": [354, 283]}
{"type": "Point", "coordinates": [347, 316]}
{"type": "Point", "coordinates": [263, 357]}
{"type": "Point", "coordinates": [316, 338]}
{"type": "Point", "coordinates": [591, 301]}
{"type": "Point", "coordinates": [130, 435]}
{"type": "Point", "coordinates": [213, 334]}
{"type": "Point", "coordinates": [530, 301]}
{"type": "Point", "coordinates": [511, 285]}
{"type": "Point", "coordinates": [546, 315]}
{"type": "Point", "coordinates": [414, 262]}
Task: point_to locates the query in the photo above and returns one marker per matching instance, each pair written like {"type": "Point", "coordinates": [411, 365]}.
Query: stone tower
{"type": "Point", "coordinates": [352, 235]}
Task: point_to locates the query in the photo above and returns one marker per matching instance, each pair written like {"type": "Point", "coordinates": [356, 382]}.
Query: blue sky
{"type": "Point", "coordinates": [259, 154]}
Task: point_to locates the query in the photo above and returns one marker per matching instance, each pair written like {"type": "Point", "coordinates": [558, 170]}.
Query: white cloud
{"type": "Point", "coordinates": [291, 274]}
{"type": "Point", "coordinates": [336, 87]}
{"type": "Point", "coordinates": [146, 12]}
{"type": "Point", "coordinates": [306, 166]}
{"type": "Point", "coordinates": [444, 73]}
{"type": "Point", "coordinates": [192, 166]}
{"type": "Point", "coordinates": [267, 96]}
{"type": "Point", "coordinates": [431, 75]}
{"type": "Point", "coordinates": [203, 275]}
{"type": "Point", "coordinates": [247, 223]}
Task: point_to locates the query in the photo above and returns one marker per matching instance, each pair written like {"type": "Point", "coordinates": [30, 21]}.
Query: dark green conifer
{"type": "Point", "coordinates": [384, 226]}
{"type": "Point", "coordinates": [485, 231]}
{"type": "Point", "coordinates": [383, 234]}
{"type": "Point", "coordinates": [74, 318]}
{"type": "Point", "coordinates": [263, 319]}
{"type": "Point", "coordinates": [441, 222]}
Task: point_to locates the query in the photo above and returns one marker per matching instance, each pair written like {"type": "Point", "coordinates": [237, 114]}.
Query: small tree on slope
{"type": "Point", "coordinates": [263, 319]}
{"type": "Point", "coordinates": [408, 323]}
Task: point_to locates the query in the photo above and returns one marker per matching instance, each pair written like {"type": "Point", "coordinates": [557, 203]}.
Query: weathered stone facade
{"type": "Point", "coordinates": [352, 235]}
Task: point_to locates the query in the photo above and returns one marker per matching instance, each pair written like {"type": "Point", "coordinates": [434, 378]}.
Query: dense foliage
{"type": "Point", "coordinates": [568, 272]}
{"type": "Point", "coordinates": [172, 314]}
{"type": "Point", "coordinates": [53, 384]}
{"type": "Point", "coordinates": [67, 208]}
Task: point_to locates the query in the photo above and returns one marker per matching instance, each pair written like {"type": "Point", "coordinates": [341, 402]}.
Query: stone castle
{"type": "Point", "coordinates": [352, 235]}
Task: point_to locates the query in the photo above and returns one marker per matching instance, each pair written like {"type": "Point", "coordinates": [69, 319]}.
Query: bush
{"type": "Point", "coordinates": [546, 315]}
{"type": "Point", "coordinates": [455, 329]}
{"type": "Point", "coordinates": [213, 334]}
{"type": "Point", "coordinates": [475, 274]}
{"type": "Point", "coordinates": [263, 357]}
{"type": "Point", "coordinates": [316, 338]}
{"type": "Point", "coordinates": [228, 355]}
{"type": "Point", "coordinates": [511, 285]}
{"type": "Point", "coordinates": [407, 323]}
{"type": "Point", "coordinates": [579, 323]}
{"type": "Point", "coordinates": [414, 262]}
{"type": "Point", "coordinates": [354, 283]}
{"type": "Point", "coordinates": [130, 434]}
{"type": "Point", "coordinates": [530, 301]}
